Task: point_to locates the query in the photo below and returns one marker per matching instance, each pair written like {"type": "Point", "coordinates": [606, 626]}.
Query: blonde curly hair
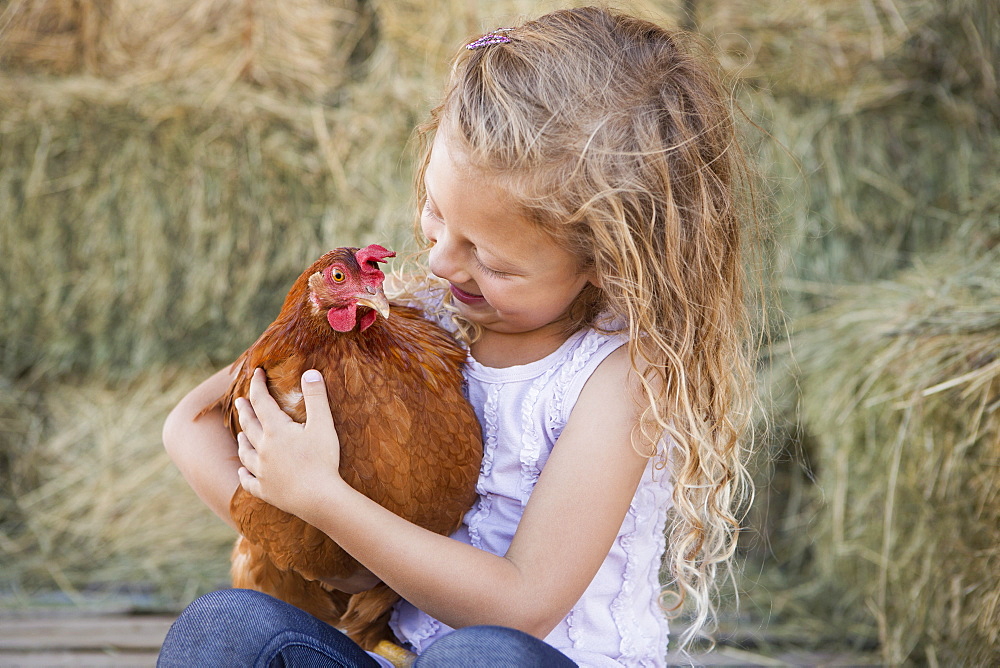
{"type": "Point", "coordinates": [617, 137]}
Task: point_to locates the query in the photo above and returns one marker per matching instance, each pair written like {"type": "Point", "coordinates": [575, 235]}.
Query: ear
{"type": "Point", "coordinates": [592, 275]}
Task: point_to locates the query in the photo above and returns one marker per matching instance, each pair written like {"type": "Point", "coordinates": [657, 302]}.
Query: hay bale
{"type": "Point", "coordinates": [139, 226]}
{"type": "Point", "coordinates": [889, 132]}
{"type": "Point", "coordinates": [95, 502]}
{"type": "Point", "coordinates": [293, 46]}
{"type": "Point", "coordinates": [858, 54]}
{"type": "Point", "coordinates": [900, 392]}
{"type": "Point", "coordinates": [155, 214]}
{"type": "Point", "coordinates": [885, 116]}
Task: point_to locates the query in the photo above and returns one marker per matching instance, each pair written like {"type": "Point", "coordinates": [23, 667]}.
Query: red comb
{"type": "Point", "coordinates": [373, 253]}
{"type": "Point", "coordinates": [368, 257]}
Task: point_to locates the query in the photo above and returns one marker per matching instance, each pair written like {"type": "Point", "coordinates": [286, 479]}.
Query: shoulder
{"type": "Point", "coordinates": [596, 359]}
{"type": "Point", "coordinates": [597, 346]}
{"type": "Point", "coordinates": [613, 381]}
{"type": "Point", "coordinates": [617, 391]}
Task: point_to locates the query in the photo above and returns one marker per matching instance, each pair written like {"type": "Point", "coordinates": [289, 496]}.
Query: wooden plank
{"type": "Point", "coordinates": [731, 656]}
{"type": "Point", "coordinates": [58, 639]}
{"type": "Point", "coordinates": [92, 633]}
{"type": "Point", "coordinates": [74, 659]}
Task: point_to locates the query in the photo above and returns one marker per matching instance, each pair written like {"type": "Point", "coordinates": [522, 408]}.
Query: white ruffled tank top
{"type": "Point", "coordinates": [522, 409]}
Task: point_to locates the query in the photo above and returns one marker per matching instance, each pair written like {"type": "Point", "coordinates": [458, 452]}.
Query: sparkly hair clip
{"type": "Point", "coordinates": [497, 36]}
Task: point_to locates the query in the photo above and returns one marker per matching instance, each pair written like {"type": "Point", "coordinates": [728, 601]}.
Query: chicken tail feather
{"type": "Point", "coordinates": [366, 619]}
{"type": "Point", "coordinates": [252, 568]}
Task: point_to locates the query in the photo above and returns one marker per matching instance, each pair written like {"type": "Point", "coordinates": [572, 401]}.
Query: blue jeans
{"type": "Point", "coordinates": [240, 628]}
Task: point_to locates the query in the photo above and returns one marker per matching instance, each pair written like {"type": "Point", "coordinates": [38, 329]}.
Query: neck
{"type": "Point", "coordinates": [499, 350]}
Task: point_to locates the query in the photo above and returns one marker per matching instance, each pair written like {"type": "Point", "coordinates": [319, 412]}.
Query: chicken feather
{"type": "Point", "coordinates": [409, 438]}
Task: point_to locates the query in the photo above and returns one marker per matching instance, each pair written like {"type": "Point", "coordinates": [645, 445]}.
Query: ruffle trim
{"type": "Point", "coordinates": [491, 417]}
{"type": "Point", "coordinates": [645, 521]}
{"type": "Point", "coordinates": [428, 629]}
{"type": "Point", "coordinates": [483, 508]}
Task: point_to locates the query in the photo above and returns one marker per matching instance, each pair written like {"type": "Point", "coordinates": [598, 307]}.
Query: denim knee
{"type": "Point", "coordinates": [224, 611]}
{"type": "Point", "coordinates": [241, 628]}
{"type": "Point", "coordinates": [491, 647]}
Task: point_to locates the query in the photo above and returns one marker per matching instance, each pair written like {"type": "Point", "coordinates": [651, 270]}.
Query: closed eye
{"type": "Point", "coordinates": [429, 210]}
{"type": "Point", "coordinates": [488, 270]}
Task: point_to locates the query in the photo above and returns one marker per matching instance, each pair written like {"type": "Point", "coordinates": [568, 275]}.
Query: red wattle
{"type": "Point", "coordinates": [343, 319]}
{"type": "Point", "coordinates": [368, 319]}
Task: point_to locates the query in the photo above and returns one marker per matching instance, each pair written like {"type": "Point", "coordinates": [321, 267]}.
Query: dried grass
{"type": "Point", "coordinates": [297, 46]}
{"type": "Point", "coordinates": [900, 391]}
{"type": "Point", "coordinates": [140, 227]}
{"type": "Point", "coordinates": [93, 501]}
{"type": "Point", "coordinates": [880, 520]}
{"type": "Point", "coordinates": [885, 115]}
{"type": "Point", "coordinates": [166, 168]}
{"type": "Point", "coordinates": [157, 212]}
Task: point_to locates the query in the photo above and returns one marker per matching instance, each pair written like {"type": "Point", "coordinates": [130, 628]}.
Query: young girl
{"type": "Point", "coordinates": [579, 192]}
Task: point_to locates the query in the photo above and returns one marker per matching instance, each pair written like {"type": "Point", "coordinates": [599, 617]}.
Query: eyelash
{"type": "Point", "coordinates": [491, 272]}
{"type": "Point", "coordinates": [430, 211]}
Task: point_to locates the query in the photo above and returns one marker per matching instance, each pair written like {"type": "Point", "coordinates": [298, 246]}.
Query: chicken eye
{"type": "Point", "coordinates": [337, 276]}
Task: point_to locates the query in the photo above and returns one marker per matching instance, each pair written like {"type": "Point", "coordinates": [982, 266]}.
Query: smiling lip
{"type": "Point", "coordinates": [465, 297]}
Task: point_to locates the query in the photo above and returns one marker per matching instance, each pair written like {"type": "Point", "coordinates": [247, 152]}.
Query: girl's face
{"type": "Point", "coordinates": [506, 274]}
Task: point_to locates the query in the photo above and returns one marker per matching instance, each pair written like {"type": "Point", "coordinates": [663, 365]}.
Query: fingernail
{"type": "Point", "coordinates": [312, 376]}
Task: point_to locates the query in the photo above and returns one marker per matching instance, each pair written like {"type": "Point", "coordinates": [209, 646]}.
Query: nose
{"type": "Point", "coordinates": [444, 259]}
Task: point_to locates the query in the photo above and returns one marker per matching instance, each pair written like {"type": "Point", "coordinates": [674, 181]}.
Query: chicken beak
{"type": "Point", "coordinates": [376, 302]}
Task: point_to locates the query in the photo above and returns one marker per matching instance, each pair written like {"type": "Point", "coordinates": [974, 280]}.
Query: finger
{"type": "Point", "coordinates": [263, 403]}
{"type": "Point", "coordinates": [246, 452]}
{"type": "Point", "coordinates": [247, 417]}
{"type": "Point", "coordinates": [318, 414]}
{"type": "Point", "coordinates": [248, 481]}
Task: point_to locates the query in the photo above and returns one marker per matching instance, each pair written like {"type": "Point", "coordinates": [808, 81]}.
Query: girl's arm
{"type": "Point", "coordinates": [568, 527]}
{"type": "Point", "coordinates": [203, 448]}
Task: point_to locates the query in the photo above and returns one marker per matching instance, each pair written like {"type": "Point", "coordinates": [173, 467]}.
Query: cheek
{"type": "Point", "coordinates": [503, 297]}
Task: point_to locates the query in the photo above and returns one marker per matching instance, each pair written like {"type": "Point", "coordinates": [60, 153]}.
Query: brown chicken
{"type": "Point", "coordinates": [409, 438]}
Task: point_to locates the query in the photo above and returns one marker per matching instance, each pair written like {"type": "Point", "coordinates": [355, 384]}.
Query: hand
{"type": "Point", "coordinates": [285, 463]}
